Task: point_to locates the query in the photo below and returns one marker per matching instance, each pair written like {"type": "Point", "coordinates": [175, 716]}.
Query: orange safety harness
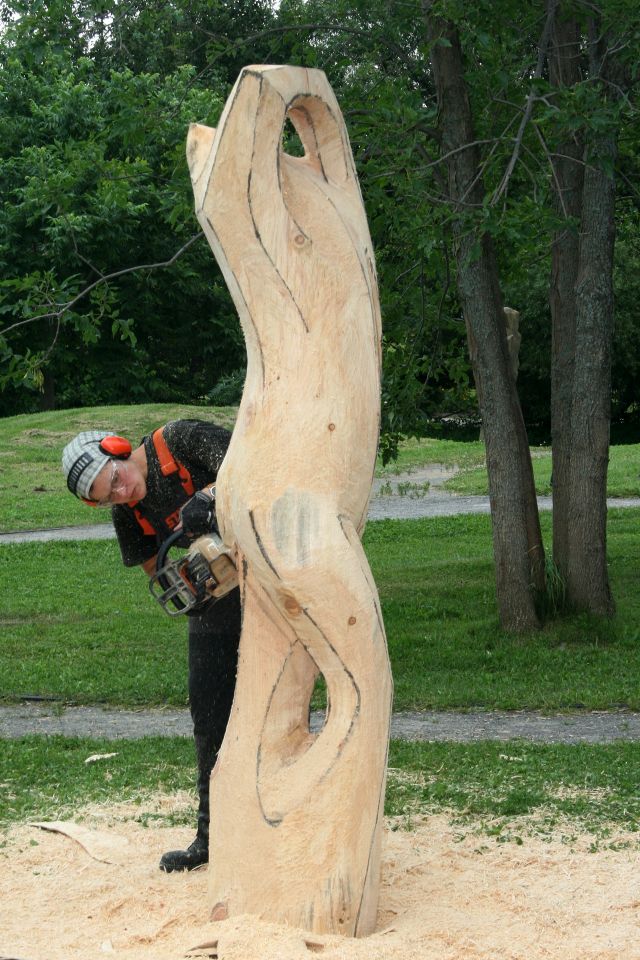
{"type": "Point", "coordinates": [169, 466]}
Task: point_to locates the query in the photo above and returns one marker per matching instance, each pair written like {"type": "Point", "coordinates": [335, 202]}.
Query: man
{"type": "Point", "coordinates": [166, 481]}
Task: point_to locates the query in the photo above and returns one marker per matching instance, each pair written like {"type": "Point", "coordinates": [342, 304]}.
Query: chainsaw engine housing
{"type": "Point", "coordinates": [206, 573]}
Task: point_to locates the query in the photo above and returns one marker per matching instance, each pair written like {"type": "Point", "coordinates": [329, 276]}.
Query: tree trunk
{"type": "Point", "coordinates": [48, 399]}
{"type": "Point", "coordinates": [564, 71]}
{"type": "Point", "coordinates": [583, 331]}
{"type": "Point", "coordinates": [587, 574]}
{"type": "Point", "coordinates": [296, 818]}
{"type": "Point", "coordinates": [517, 540]}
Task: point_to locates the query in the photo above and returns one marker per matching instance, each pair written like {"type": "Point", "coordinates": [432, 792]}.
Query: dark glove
{"type": "Point", "coordinates": [198, 515]}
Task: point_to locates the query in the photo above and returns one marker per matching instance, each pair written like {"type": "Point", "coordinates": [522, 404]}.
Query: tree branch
{"type": "Point", "coordinates": [531, 98]}
{"type": "Point", "coordinates": [553, 171]}
{"type": "Point", "coordinates": [451, 153]}
{"type": "Point", "coordinates": [58, 314]}
{"type": "Point", "coordinates": [311, 28]}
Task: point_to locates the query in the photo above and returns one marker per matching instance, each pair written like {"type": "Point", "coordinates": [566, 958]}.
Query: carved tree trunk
{"type": "Point", "coordinates": [296, 818]}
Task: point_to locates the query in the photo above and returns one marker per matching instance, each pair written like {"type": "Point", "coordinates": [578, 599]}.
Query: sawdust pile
{"type": "Point", "coordinates": [444, 897]}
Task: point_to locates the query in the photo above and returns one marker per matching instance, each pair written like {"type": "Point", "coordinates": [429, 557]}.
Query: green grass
{"type": "Point", "coordinates": [414, 453]}
{"type": "Point", "coordinates": [47, 777]}
{"type": "Point", "coordinates": [512, 788]}
{"type": "Point", "coordinates": [77, 625]}
{"type": "Point", "coordinates": [623, 478]}
{"type": "Point", "coordinates": [33, 494]}
{"type": "Point", "coordinates": [504, 790]}
{"type": "Point", "coordinates": [436, 584]}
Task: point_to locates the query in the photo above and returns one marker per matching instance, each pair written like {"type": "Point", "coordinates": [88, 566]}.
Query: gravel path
{"type": "Point", "coordinates": [20, 720]}
{"type": "Point", "coordinates": [387, 503]}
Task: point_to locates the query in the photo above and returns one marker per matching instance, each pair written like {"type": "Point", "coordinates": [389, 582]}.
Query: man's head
{"type": "Point", "coordinates": [86, 456]}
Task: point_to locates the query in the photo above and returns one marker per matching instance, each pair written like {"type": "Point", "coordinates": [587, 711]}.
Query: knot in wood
{"type": "Point", "coordinates": [299, 239]}
{"type": "Point", "coordinates": [332, 426]}
{"type": "Point", "coordinates": [292, 606]}
{"type": "Point", "coordinates": [351, 621]}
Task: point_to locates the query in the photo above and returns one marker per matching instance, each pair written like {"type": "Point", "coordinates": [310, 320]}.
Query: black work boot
{"type": "Point", "coordinates": [198, 852]}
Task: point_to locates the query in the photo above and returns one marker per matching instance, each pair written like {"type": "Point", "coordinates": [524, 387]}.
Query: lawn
{"type": "Point", "coordinates": [33, 494]}
{"type": "Point", "coordinates": [502, 790]}
{"type": "Point", "coordinates": [623, 478]}
{"type": "Point", "coordinates": [78, 626]}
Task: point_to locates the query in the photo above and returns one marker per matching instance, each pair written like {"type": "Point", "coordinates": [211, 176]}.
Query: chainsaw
{"type": "Point", "coordinates": [203, 575]}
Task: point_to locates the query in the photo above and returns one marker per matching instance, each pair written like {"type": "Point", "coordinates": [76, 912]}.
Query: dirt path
{"type": "Point", "coordinates": [19, 720]}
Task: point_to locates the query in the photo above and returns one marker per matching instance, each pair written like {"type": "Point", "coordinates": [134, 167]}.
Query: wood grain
{"type": "Point", "coordinates": [296, 817]}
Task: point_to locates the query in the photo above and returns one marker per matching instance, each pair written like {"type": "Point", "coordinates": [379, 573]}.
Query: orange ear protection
{"type": "Point", "coordinates": [116, 447]}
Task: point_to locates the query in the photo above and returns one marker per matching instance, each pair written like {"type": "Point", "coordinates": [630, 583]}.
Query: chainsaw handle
{"type": "Point", "coordinates": [161, 557]}
{"type": "Point", "coordinates": [164, 548]}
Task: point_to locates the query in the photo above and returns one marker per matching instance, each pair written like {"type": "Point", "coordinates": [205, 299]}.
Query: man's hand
{"type": "Point", "coordinates": [198, 515]}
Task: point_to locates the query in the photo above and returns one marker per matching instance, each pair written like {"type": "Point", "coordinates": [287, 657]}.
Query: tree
{"type": "Point", "coordinates": [94, 182]}
{"type": "Point", "coordinates": [517, 539]}
{"type": "Point", "coordinates": [587, 68]}
{"type": "Point", "coordinates": [489, 139]}
{"type": "Point", "coordinates": [511, 144]}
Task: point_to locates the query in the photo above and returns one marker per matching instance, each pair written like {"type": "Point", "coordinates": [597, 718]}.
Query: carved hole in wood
{"type": "Point", "coordinates": [291, 142]}
{"type": "Point", "coordinates": [292, 762]}
{"type": "Point", "coordinates": [320, 135]}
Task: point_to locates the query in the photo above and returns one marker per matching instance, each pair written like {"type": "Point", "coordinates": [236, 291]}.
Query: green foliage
{"type": "Point", "coordinates": [553, 603]}
{"type": "Point", "coordinates": [95, 98]}
{"type": "Point", "coordinates": [228, 389]}
{"type": "Point", "coordinates": [94, 181]}
{"type": "Point", "coordinates": [377, 59]}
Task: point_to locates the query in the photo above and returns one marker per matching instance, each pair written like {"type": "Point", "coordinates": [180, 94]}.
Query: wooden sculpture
{"type": "Point", "coordinates": [295, 817]}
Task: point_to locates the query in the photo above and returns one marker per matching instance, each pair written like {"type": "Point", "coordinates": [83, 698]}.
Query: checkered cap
{"type": "Point", "coordinates": [82, 461]}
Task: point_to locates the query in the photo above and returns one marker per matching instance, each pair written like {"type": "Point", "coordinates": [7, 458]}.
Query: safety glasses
{"type": "Point", "coordinates": [116, 486]}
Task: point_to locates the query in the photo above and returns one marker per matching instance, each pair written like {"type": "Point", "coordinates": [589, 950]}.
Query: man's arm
{"type": "Point", "coordinates": [198, 515]}
{"type": "Point", "coordinates": [149, 566]}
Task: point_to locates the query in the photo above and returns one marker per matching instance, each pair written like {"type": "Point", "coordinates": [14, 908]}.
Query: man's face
{"type": "Point", "coordinates": [119, 481]}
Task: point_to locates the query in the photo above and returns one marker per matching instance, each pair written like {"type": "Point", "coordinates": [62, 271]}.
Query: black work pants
{"type": "Point", "coordinates": [213, 657]}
